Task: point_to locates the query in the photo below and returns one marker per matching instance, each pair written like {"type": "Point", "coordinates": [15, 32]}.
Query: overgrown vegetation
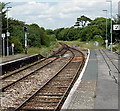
{"type": "Point", "coordinates": [45, 51]}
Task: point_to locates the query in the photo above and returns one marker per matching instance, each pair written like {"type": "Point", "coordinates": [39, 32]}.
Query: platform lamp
{"type": "Point", "coordinates": [110, 1]}
{"type": "Point", "coordinates": [26, 32]}
{"type": "Point", "coordinates": [106, 41]}
{"type": "Point", "coordinates": [3, 37]}
{"type": "Point", "coordinates": [8, 34]}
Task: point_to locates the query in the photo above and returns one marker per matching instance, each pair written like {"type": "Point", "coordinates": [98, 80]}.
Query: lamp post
{"type": "Point", "coordinates": [12, 48]}
{"type": "Point", "coordinates": [26, 32]}
{"type": "Point", "coordinates": [110, 1]}
{"type": "Point", "coordinates": [106, 41]}
{"type": "Point", "coordinates": [3, 37]}
{"type": "Point", "coordinates": [8, 34]}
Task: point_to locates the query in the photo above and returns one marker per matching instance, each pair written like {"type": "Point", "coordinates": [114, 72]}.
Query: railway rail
{"type": "Point", "coordinates": [51, 94]}
{"type": "Point", "coordinates": [108, 61]}
{"type": "Point", "coordinates": [9, 80]}
{"type": "Point", "coordinates": [15, 63]}
{"type": "Point", "coordinates": [116, 67]}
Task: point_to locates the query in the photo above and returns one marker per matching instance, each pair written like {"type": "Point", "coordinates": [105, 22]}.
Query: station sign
{"type": "Point", "coordinates": [3, 36]}
{"type": "Point", "coordinates": [12, 44]}
{"type": "Point", "coordinates": [116, 27]}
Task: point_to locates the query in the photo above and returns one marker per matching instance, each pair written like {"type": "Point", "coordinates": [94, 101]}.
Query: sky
{"type": "Point", "coordinates": [52, 14]}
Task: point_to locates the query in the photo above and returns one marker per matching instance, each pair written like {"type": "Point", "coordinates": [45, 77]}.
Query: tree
{"type": "Point", "coordinates": [83, 20]}
{"type": "Point", "coordinates": [4, 19]}
{"type": "Point", "coordinates": [49, 32]}
{"type": "Point", "coordinates": [57, 33]}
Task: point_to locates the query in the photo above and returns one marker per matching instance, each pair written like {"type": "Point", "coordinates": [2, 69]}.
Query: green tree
{"type": "Point", "coordinates": [49, 32]}
{"type": "Point", "coordinates": [83, 20]}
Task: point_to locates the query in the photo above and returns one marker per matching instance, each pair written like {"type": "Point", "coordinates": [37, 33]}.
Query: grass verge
{"type": "Point", "coordinates": [44, 51]}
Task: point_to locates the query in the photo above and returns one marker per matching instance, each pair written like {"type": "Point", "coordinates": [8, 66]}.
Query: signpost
{"type": "Point", "coordinates": [3, 37]}
{"type": "Point", "coordinates": [116, 27]}
{"type": "Point", "coordinates": [12, 48]}
{"type": "Point", "coordinates": [8, 35]}
{"type": "Point", "coordinates": [106, 41]}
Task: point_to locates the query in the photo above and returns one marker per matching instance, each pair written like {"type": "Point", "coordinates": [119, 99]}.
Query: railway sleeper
{"type": "Point", "coordinates": [45, 100]}
{"type": "Point", "coordinates": [53, 91]}
{"type": "Point", "coordinates": [37, 109]}
{"type": "Point", "coordinates": [40, 105]}
{"type": "Point", "coordinates": [49, 96]}
{"type": "Point", "coordinates": [63, 86]}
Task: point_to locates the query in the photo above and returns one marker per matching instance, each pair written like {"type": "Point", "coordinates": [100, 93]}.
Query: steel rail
{"type": "Point", "coordinates": [74, 49]}
{"type": "Point", "coordinates": [3, 89]}
{"type": "Point", "coordinates": [105, 62]}
{"type": "Point", "coordinates": [32, 64]}
{"type": "Point", "coordinates": [58, 107]}
{"type": "Point", "coordinates": [116, 81]}
{"type": "Point", "coordinates": [111, 61]}
{"type": "Point", "coordinates": [20, 106]}
{"type": "Point", "coordinates": [23, 69]}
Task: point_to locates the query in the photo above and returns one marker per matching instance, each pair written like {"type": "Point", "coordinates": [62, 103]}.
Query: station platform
{"type": "Point", "coordinates": [13, 57]}
{"type": "Point", "coordinates": [97, 86]}
{"type": "Point", "coordinates": [14, 62]}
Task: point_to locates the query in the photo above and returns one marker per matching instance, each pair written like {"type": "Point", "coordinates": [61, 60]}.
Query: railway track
{"type": "Point", "coordinates": [116, 67]}
{"type": "Point", "coordinates": [108, 61]}
{"type": "Point", "coordinates": [15, 77]}
{"type": "Point", "coordinates": [57, 53]}
{"type": "Point", "coordinates": [51, 94]}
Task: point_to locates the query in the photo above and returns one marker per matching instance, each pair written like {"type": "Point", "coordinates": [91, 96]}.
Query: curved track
{"type": "Point", "coordinates": [52, 94]}
{"type": "Point", "coordinates": [17, 76]}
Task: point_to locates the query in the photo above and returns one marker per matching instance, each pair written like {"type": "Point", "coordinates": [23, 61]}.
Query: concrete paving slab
{"type": "Point", "coordinates": [92, 67]}
{"type": "Point", "coordinates": [97, 90]}
{"type": "Point", "coordinates": [13, 57]}
{"type": "Point", "coordinates": [107, 89]}
{"type": "Point", "coordinates": [83, 97]}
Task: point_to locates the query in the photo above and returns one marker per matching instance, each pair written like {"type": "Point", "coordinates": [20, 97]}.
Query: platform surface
{"type": "Point", "coordinates": [13, 57]}
{"type": "Point", "coordinates": [97, 90]}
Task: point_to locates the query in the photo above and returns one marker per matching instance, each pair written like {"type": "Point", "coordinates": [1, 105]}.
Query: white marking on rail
{"type": "Point", "coordinates": [69, 98]}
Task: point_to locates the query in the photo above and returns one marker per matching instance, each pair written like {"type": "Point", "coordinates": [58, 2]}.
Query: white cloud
{"type": "Point", "coordinates": [54, 13]}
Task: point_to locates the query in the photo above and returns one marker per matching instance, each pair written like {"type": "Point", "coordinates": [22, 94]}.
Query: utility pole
{"type": "Point", "coordinates": [26, 31]}
{"type": "Point", "coordinates": [106, 41]}
{"type": "Point", "coordinates": [110, 1]}
{"type": "Point", "coordinates": [8, 34]}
